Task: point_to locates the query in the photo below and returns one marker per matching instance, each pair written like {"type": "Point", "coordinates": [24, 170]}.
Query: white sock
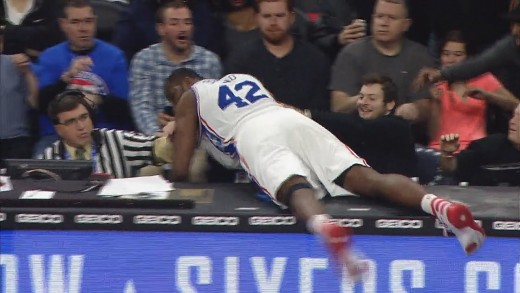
{"type": "Point", "coordinates": [314, 223]}
{"type": "Point", "coordinates": [426, 203]}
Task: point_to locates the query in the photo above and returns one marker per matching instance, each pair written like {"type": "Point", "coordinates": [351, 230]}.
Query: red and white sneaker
{"type": "Point", "coordinates": [338, 240]}
{"type": "Point", "coordinates": [458, 219]}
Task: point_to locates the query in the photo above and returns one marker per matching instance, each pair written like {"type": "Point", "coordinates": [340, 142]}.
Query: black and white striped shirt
{"type": "Point", "coordinates": [116, 152]}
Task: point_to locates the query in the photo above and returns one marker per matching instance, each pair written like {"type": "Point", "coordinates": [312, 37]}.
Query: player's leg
{"type": "Point", "coordinates": [401, 190]}
{"type": "Point", "coordinates": [297, 193]}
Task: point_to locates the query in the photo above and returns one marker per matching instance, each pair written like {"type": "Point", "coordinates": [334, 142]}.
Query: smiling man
{"type": "Point", "coordinates": [152, 66]}
{"type": "Point", "coordinates": [384, 140]}
{"type": "Point", "coordinates": [496, 149]}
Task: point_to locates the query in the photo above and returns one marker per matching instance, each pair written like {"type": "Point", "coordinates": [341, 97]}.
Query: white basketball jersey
{"type": "Point", "coordinates": [224, 104]}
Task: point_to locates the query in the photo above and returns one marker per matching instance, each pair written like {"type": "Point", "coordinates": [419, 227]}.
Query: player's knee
{"type": "Point", "coordinates": [288, 188]}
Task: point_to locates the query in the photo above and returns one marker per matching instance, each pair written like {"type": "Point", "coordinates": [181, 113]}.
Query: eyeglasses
{"type": "Point", "coordinates": [75, 121]}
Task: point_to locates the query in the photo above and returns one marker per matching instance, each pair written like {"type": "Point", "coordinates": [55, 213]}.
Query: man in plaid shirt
{"type": "Point", "coordinates": [151, 66]}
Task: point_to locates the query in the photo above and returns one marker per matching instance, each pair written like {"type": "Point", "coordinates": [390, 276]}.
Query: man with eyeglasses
{"type": "Point", "coordinates": [86, 63]}
{"type": "Point", "coordinates": [116, 152]}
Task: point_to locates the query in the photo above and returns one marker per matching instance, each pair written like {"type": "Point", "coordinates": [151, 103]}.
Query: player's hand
{"type": "Point", "coordinates": [426, 76]}
{"type": "Point", "coordinates": [22, 62]}
{"type": "Point", "coordinates": [450, 143]}
{"type": "Point", "coordinates": [408, 111]}
{"type": "Point", "coordinates": [164, 118]}
{"type": "Point", "coordinates": [352, 32]}
{"type": "Point", "coordinates": [169, 128]}
{"type": "Point", "coordinates": [290, 107]}
{"type": "Point", "coordinates": [475, 93]}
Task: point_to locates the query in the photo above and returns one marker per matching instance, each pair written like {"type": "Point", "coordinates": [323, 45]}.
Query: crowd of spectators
{"type": "Point", "coordinates": [388, 77]}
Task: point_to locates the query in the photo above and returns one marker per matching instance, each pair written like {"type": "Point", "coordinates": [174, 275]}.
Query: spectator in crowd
{"type": "Point", "coordinates": [136, 27]}
{"type": "Point", "coordinates": [238, 23]}
{"type": "Point", "coordinates": [151, 66]}
{"type": "Point", "coordinates": [293, 70]}
{"type": "Point", "coordinates": [18, 95]}
{"type": "Point", "coordinates": [30, 26]}
{"type": "Point", "coordinates": [387, 52]}
{"type": "Point", "coordinates": [86, 62]}
{"type": "Point", "coordinates": [505, 52]}
{"type": "Point", "coordinates": [295, 160]}
{"type": "Point", "coordinates": [336, 24]}
{"type": "Point", "coordinates": [115, 152]}
{"type": "Point", "coordinates": [384, 140]}
{"type": "Point", "coordinates": [472, 164]}
{"type": "Point", "coordinates": [460, 107]}
{"type": "Point", "coordinates": [503, 59]}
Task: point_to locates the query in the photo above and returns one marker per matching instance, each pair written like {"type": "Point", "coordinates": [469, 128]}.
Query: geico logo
{"type": "Point", "coordinates": [39, 218]}
{"type": "Point", "coordinates": [2, 217]}
{"type": "Point", "coordinates": [98, 219]}
{"type": "Point", "coordinates": [503, 225]}
{"type": "Point", "coordinates": [157, 219]}
{"type": "Point", "coordinates": [272, 221]}
{"type": "Point", "coordinates": [399, 224]}
{"type": "Point", "coordinates": [348, 223]}
{"type": "Point", "coordinates": [215, 221]}
{"type": "Point", "coordinates": [440, 225]}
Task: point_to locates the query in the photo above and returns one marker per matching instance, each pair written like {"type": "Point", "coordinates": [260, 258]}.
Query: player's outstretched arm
{"type": "Point", "coordinates": [185, 136]}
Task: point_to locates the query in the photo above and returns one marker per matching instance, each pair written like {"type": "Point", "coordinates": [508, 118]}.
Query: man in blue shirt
{"type": "Point", "coordinates": [86, 62]}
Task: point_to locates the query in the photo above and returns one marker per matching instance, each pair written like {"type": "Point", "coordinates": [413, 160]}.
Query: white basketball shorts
{"type": "Point", "coordinates": [280, 143]}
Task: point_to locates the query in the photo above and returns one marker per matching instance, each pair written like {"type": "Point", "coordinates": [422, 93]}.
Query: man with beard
{"type": "Point", "coordinates": [293, 70]}
{"type": "Point", "coordinates": [151, 66]}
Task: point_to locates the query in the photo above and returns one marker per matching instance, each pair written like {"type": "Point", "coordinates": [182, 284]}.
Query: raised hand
{"type": "Point", "coordinates": [449, 143]}
{"type": "Point", "coordinates": [425, 77]}
{"type": "Point", "coordinates": [22, 62]}
{"type": "Point", "coordinates": [350, 33]}
{"type": "Point", "coordinates": [78, 64]}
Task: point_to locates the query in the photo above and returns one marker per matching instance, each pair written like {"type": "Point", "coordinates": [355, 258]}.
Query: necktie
{"type": "Point", "coordinates": [80, 154]}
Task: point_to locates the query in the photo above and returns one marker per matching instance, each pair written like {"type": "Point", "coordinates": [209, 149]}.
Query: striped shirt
{"type": "Point", "coordinates": [115, 152]}
{"type": "Point", "coordinates": [148, 71]}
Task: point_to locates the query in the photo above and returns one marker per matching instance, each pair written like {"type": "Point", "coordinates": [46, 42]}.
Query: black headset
{"type": "Point", "coordinates": [77, 95]}
{"type": "Point", "coordinates": [83, 100]}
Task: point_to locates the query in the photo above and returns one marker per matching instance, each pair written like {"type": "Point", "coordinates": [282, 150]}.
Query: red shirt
{"type": "Point", "coordinates": [465, 116]}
